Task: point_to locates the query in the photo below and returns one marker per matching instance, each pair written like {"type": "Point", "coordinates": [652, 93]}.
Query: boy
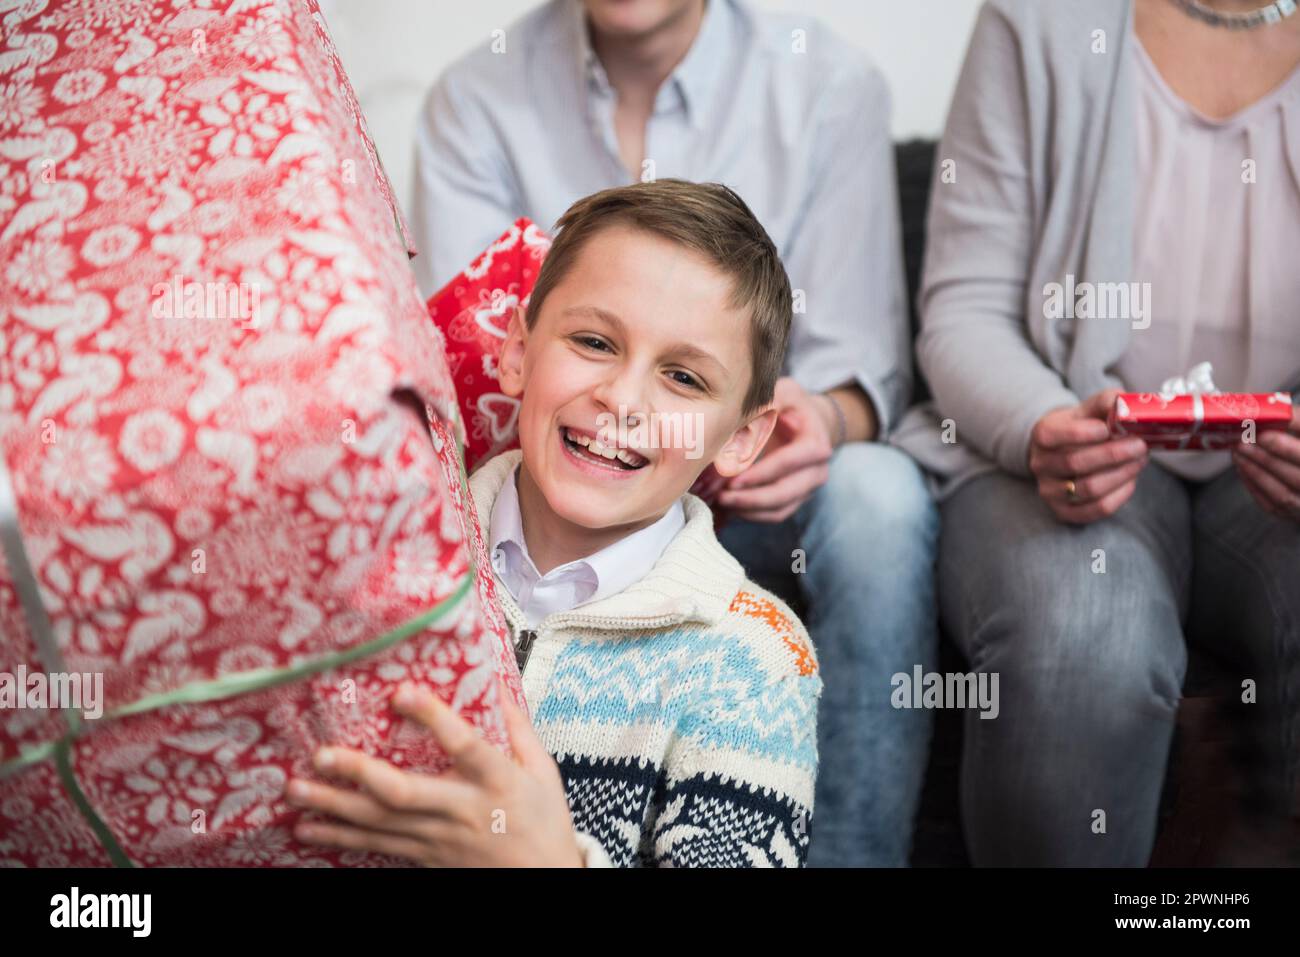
{"type": "Point", "coordinates": [589, 94]}
{"type": "Point", "coordinates": [678, 698]}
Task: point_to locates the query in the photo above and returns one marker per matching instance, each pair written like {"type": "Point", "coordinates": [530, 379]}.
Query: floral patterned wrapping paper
{"type": "Point", "coordinates": [472, 315]}
{"type": "Point", "coordinates": [231, 438]}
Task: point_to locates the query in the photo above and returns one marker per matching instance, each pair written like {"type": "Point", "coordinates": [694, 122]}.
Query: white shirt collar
{"type": "Point", "coordinates": [599, 575]}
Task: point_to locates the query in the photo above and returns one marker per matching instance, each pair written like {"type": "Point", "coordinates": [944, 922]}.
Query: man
{"type": "Point", "coordinates": [583, 95]}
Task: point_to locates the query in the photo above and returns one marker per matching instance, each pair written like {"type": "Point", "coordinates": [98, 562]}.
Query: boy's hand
{"type": "Point", "coordinates": [794, 463]}
{"type": "Point", "coordinates": [487, 810]}
{"type": "Point", "coordinates": [1270, 469]}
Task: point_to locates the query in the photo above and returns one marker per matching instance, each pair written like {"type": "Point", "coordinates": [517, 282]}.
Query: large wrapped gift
{"type": "Point", "coordinates": [232, 500]}
{"type": "Point", "coordinates": [1189, 413]}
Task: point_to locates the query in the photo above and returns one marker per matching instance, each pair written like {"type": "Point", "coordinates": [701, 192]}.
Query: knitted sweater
{"type": "Point", "coordinates": [682, 711]}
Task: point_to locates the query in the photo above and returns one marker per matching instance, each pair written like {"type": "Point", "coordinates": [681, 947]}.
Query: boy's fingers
{"type": "Point", "coordinates": [355, 807]}
{"type": "Point", "coordinates": [359, 808]}
{"type": "Point", "coordinates": [418, 704]}
{"type": "Point", "coordinates": [394, 788]}
{"type": "Point", "coordinates": [472, 756]}
{"type": "Point", "coordinates": [524, 742]}
{"type": "Point", "coordinates": [360, 839]}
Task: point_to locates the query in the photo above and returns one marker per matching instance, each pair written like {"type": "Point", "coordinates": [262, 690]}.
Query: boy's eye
{"type": "Point", "coordinates": [685, 379]}
{"type": "Point", "coordinates": [591, 342]}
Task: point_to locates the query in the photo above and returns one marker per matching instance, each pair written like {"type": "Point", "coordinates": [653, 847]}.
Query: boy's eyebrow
{"type": "Point", "coordinates": [684, 349]}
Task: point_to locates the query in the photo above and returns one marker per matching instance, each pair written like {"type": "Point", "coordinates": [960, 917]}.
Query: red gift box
{"type": "Point", "coordinates": [231, 494]}
{"type": "Point", "coordinates": [1198, 421]}
{"type": "Point", "coordinates": [472, 315]}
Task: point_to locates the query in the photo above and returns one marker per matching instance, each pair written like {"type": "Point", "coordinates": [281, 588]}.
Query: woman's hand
{"type": "Point", "coordinates": [486, 811]}
{"type": "Point", "coordinates": [1270, 469]}
{"type": "Point", "coordinates": [1083, 474]}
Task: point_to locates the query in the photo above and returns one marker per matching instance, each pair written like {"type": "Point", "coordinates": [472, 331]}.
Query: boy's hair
{"type": "Point", "coordinates": [710, 219]}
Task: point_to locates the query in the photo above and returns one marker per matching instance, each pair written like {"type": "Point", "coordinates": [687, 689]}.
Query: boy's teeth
{"type": "Point", "coordinates": [604, 451]}
{"type": "Point", "coordinates": [628, 458]}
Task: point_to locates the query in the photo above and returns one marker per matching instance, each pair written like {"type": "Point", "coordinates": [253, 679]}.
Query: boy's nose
{"type": "Point", "coordinates": [621, 397]}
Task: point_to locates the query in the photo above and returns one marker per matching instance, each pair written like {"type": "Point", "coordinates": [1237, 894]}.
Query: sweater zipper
{"type": "Point", "coordinates": [524, 640]}
{"type": "Point", "coordinates": [524, 648]}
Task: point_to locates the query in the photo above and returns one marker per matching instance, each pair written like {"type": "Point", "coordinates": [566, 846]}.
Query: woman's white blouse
{"type": "Point", "coordinates": [1218, 239]}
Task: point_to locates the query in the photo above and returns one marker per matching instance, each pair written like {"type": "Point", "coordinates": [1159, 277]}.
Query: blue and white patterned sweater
{"type": "Point", "coordinates": [682, 711]}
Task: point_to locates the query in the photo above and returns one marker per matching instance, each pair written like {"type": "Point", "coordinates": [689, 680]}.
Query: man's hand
{"type": "Point", "coordinates": [793, 464]}
{"type": "Point", "coordinates": [1270, 469]}
{"type": "Point", "coordinates": [486, 811]}
{"type": "Point", "coordinates": [1083, 474]}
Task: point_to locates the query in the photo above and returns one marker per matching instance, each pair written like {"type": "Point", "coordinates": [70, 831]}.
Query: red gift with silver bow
{"type": "Point", "coordinates": [1188, 413]}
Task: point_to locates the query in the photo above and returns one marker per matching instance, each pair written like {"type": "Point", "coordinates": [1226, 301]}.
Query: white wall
{"type": "Point", "coordinates": [394, 49]}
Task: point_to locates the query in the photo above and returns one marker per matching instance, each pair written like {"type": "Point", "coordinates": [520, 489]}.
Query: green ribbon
{"type": "Point", "coordinates": [259, 679]}
{"type": "Point", "coordinates": [219, 689]}
{"type": "Point", "coordinates": [63, 759]}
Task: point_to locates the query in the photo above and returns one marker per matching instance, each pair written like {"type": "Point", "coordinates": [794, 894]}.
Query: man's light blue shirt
{"type": "Point", "coordinates": [775, 106]}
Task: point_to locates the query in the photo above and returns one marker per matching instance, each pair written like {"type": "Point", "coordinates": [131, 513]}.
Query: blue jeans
{"type": "Point", "coordinates": [1091, 656]}
{"type": "Point", "coordinates": [869, 536]}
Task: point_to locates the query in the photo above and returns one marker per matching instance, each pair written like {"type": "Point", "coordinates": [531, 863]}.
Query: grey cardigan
{"type": "Point", "coordinates": [1042, 131]}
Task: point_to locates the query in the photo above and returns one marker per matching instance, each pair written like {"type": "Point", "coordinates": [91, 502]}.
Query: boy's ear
{"type": "Point", "coordinates": [746, 443]}
{"type": "Point", "coordinates": [510, 366]}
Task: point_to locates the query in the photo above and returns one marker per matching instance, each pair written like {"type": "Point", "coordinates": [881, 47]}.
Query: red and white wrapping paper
{"type": "Point", "coordinates": [209, 493]}
{"type": "Point", "coordinates": [472, 315]}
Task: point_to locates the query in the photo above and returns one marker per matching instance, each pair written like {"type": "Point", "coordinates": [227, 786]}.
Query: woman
{"type": "Point", "coordinates": [1154, 143]}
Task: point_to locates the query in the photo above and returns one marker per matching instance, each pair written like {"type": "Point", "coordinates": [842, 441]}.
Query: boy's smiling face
{"type": "Point", "coordinates": [639, 328]}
